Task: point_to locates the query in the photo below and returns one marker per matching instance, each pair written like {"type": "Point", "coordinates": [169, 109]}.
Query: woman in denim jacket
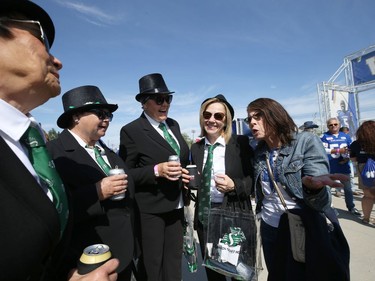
{"type": "Point", "coordinates": [299, 164]}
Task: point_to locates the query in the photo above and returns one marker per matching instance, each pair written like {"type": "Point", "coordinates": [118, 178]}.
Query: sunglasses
{"type": "Point", "coordinates": [255, 116]}
{"type": "Point", "coordinates": [218, 115]}
{"type": "Point", "coordinates": [159, 100]}
{"type": "Point", "coordinates": [102, 114]}
{"type": "Point", "coordinates": [41, 35]}
{"type": "Point", "coordinates": [331, 125]}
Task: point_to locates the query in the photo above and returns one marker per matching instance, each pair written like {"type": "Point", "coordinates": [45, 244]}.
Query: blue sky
{"type": "Point", "coordinates": [244, 49]}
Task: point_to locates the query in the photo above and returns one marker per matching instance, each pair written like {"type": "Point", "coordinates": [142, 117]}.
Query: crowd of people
{"type": "Point", "coordinates": [61, 196]}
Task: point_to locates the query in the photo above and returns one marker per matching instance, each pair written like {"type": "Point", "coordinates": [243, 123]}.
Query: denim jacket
{"type": "Point", "coordinates": [305, 156]}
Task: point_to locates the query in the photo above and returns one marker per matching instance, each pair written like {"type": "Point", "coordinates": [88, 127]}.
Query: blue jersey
{"type": "Point", "coordinates": [336, 163]}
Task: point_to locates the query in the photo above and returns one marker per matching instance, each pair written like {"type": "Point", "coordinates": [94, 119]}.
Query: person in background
{"type": "Point", "coordinates": [145, 145]}
{"type": "Point", "coordinates": [336, 145]}
{"type": "Point", "coordinates": [231, 169]}
{"type": "Point", "coordinates": [360, 150]}
{"type": "Point", "coordinates": [352, 172]}
{"type": "Point", "coordinates": [309, 126]}
{"type": "Point", "coordinates": [83, 162]}
{"type": "Point", "coordinates": [300, 169]}
{"type": "Point", "coordinates": [35, 221]}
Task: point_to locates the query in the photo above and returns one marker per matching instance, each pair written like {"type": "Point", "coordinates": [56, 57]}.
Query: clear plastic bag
{"type": "Point", "coordinates": [189, 242]}
{"type": "Point", "coordinates": [231, 247]}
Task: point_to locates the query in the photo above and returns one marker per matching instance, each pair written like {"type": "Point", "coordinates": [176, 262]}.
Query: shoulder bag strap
{"type": "Point", "coordinates": [270, 173]}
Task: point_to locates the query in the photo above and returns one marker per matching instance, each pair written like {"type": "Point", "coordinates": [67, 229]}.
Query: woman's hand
{"type": "Point", "coordinates": [112, 185]}
{"type": "Point", "coordinates": [223, 183]}
{"type": "Point", "coordinates": [170, 170]}
{"type": "Point", "coordinates": [318, 182]}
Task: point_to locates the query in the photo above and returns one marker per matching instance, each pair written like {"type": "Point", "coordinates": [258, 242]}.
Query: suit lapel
{"type": "Point", "coordinates": [154, 135]}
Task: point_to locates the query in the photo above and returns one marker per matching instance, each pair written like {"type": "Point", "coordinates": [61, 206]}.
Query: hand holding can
{"type": "Point", "coordinates": [92, 257]}
{"type": "Point", "coordinates": [174, 158]}
{"type": "Point", "coordinates": [117, 171]}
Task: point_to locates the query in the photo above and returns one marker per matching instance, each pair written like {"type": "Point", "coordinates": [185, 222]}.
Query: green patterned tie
{"type": "Point", "coordinates": [45, 168]}
{"type": "Point", "coordinates": [205, 190]}
{"type": "Point", "coordinates": [105, 167]}
{"type": "Point", "coordinates": [169, 138]}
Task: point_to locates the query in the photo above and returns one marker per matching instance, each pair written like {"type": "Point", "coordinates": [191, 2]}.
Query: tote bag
{"type": "Point", "coordinates": [231, 245]}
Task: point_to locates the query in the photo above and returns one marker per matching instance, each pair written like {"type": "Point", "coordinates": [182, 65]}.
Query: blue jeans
{"type": "Point", "coordinates": [269, 235]}
{"type": "Point", "coordinates": [349, 201]}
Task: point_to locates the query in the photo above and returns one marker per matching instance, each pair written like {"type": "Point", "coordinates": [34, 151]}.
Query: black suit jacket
{"type": "Point", "coordinates": [109, 222]}
{"type": "Point", "coordinates": [142, 147]}
{"type": "Point", "coordinates": [29, 223]}
{"type": "Point", "coordinates": [238, 166]}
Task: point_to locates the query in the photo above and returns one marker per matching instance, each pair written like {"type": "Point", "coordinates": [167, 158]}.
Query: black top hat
{"type": "Point", "coordinates": [309, 125]}
{"type": "Point", "coordinates": [81, 99]}
{"type": "Point", "coordinates": [32, 11]}
{"type": "Point", "coordinates": [224, 100]}
{"type": "Point", "coordinates": [151, 84]}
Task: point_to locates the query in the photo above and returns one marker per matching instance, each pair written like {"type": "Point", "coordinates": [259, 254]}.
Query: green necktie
{"type": "Point", "coordinates": [205, 190]}
{"type": "Point", "coordinates": [105, 167]}
{"type": "Point", "coordinates": [169, 138]}
{"type": "Point", "coordinates": [45, 168]}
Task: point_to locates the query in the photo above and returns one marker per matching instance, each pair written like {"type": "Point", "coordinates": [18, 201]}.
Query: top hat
{"type": "Point", "coordinates": [151, 84]}
{"type": "Point", "coordinates": [33, 12]}
{"type": "Point", "coordinates": [309, 125]}
{"type": "Point", "coordinates": [82, 99]}
{"type": "Point", "coordinates": [224, 100]}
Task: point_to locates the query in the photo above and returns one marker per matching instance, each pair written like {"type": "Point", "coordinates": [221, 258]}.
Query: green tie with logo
{"type": "Point", "coordinates": [169, 138]}
{"type": "Point", "coordinates": [105, 167]}
{"type": "Point", "coordinates": [45, 168]}
{"type": "Point", "coordinates": [205, 190]}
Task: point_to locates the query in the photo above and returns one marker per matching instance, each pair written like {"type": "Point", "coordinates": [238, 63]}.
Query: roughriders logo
{"type": "Point", "coordinates": [234, 238]}
{"type": "Point", "coordinates": [230, 245]}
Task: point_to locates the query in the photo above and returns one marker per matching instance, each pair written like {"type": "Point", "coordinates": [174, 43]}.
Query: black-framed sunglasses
{"type": "Point", "coordinates": [101, 114]}
{"type": "Point", "coordinates": [42, 36]}
{"type": "Point", "coordinates": [331, 125]}
{"type": "Point", "coordinates": [159, 100]}
{"type": "Point", "coordinates": [218, 115]}
{"type": "Point", "coordinates": [255, 116]}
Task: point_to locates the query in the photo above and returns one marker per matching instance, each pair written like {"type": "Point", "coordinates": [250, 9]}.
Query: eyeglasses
{"type": "Point", "coordinates": [255, 116]}
{"type": "Point", "coordinates": [218, 115]}
{"type": "Point", "coordinates": [159, 100]}
{"type": "Point", "coordinates": [102, 114]}
{"type": "Point", "coordinates": [331, 125]}
{"type": "Point", "coordinates": [42, 36]}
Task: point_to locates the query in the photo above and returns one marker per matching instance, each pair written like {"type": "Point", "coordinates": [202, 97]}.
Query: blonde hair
{"type": "Point", "coordinates": [228, 119]}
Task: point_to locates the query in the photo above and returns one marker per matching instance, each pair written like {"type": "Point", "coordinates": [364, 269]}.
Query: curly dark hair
{"type": "Point", "coordinates": [275, 118]}
{"type": "Point", "coordinates": [366, 137]}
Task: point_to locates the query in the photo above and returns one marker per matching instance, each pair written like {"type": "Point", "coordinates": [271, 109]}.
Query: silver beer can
{"type": "Point", "coordinates": [117, 171]}
{"type": "Point", "coordinates": [174, 158]}
{"type": "Point", "coordinates": [92, 257]}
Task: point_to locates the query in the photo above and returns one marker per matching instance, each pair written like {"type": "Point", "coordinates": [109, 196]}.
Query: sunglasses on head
{"type": "Point", "coordinates": [255, 116]}
{"type": "Point", "coordinates": [101, 114]}
{"type": "Point", "coordinates": [218, 115]}
{"type": "Point", "coordinates": [331, 125]}
{"type": "Point", "coordinates": [159, 100]}
{"type": "Point", "coordinates": [40, 34]}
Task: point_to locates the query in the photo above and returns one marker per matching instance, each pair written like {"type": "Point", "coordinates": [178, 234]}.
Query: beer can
{"type": "Point", "coordinates": [174, 158]}
{"type": "Point", "coordinates": [92, 257]}
{"type": "Point", "coordinates": [117, 171]}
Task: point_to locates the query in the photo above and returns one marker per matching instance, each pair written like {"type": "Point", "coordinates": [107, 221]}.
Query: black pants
{"type": "Point", "coordinates": [161, 245]}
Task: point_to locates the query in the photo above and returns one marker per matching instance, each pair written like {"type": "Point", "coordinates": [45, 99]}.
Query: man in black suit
{"type": "Point", "coordinates": [31, 229]}
{"type": "Point", "coordinates": [97, 217]}
{"type": "Point", "coordinates": [158, 186]}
